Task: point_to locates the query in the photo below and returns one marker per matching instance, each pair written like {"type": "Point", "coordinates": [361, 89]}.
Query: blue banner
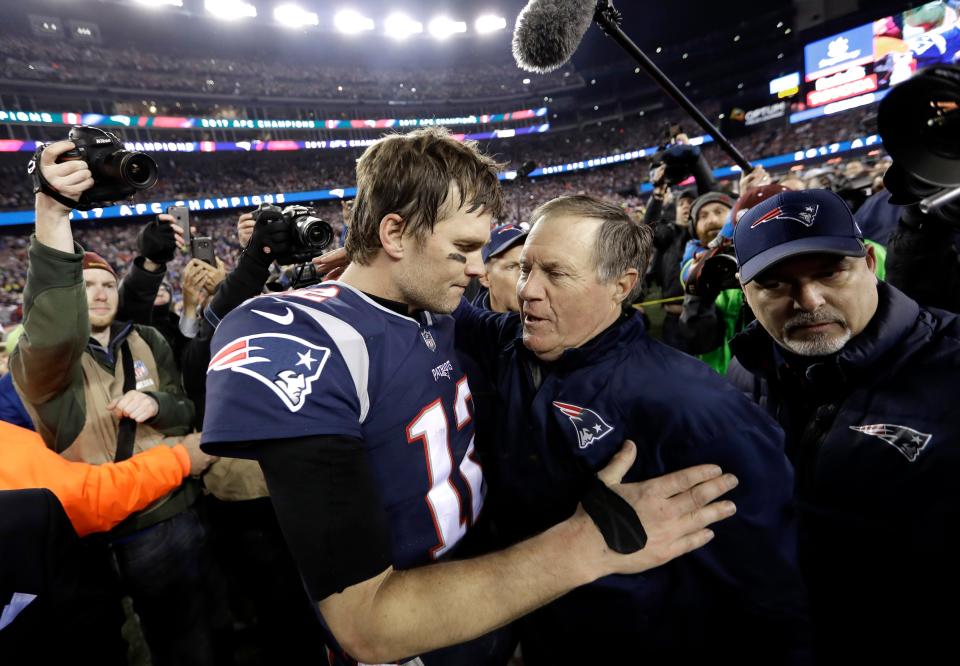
{"type": "Point", "coordinates": [282, 198]}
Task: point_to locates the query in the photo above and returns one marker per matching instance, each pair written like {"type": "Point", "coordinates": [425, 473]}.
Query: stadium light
{"type": "Point", "coordinates": [401, 26]}
{"type": "Point", "coordinates": [153, 4]}
{"type": "Point", "coordinates": [351, 22]}
{"type": "Point", "coordinates": [294, 16]}
{"type": "Point", "coordinates": [230, 9]}
{"type": "Point", "coordinates": [442, 27]}
{"type": "Point", "coordinates": [490, 23]}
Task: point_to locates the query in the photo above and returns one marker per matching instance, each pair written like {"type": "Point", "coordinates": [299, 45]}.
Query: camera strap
{"type": "Point", "coordinates": [40, 184]}
{"type": "Point", "coordinates": [127, 428]}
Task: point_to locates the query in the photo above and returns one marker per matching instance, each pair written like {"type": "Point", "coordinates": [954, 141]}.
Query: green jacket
{"type": "Point", "coordinates": [729, 304]}
{"type": "Point", "coordinates": [66, 378]}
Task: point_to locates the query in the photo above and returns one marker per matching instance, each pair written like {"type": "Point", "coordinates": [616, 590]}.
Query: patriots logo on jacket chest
{"type": "Point", "coordinates": [589, 425]}
{"type": "Point", "coordinates": [904, 439]}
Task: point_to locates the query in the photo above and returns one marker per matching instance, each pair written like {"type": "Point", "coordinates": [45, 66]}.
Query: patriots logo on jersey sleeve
{"type": "Point", "coordinates": [906, 440]}
{"type": "Point", "coordinates": [589, 425]}
{"type": "Point", "coordinates": [286, 364]}
{"type": "Point", "coordinates": [805, 215]}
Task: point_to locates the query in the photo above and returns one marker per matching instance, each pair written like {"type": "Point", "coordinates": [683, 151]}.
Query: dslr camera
{"type": "Point", "coordinates": [714, 270]}
{"type": "Point", "coordinates": [117, 173]}
{"type": "Point", "coordinates": [310, 235]}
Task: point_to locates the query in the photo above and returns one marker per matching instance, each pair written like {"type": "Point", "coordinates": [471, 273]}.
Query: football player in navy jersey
{"type": "Point", "coordinates": [350, 396]}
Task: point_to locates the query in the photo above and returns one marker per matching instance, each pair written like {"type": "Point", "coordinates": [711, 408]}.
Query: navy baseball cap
{"type": "Point", "coordinates": [794, 223]}
{"type": "Point", "coordinates": [502, 239]}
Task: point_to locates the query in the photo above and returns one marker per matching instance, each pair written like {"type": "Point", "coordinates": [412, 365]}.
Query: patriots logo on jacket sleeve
{"type": "Point", "coordinates": [286, 364]}
{"type": "Point", "coordinates": [906, 440]}
{"type": "Point", "coordinates": [589, 425]}
{"type": "Point", "coordinates": [805, 215]}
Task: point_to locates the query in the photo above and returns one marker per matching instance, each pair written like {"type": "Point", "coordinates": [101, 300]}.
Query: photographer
{"type": "Point", "coordinates": [99, 390]}
{"type": "Point", "coordinates": [918, 123]}
{"type": "Point", "coordinates": [261, 242]}
{"type": "Point", "coordinates": [143, 287]}
{"type": "Point", "coordinates": [246, 535]}
{"type": "Point", "coordinates": [681, 160]}
{"type": "Point", "coordinates": [707, 320]}
{"type": "Point", "coordinates": [670, 236]}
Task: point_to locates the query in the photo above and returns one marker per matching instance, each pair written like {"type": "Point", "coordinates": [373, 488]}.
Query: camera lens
{"type": "Point", "coordinates": [314, 232]}
{"type": "Point", "coordinates": [138, 170]}
{"type": "Point", "coordinates": [918, 121]}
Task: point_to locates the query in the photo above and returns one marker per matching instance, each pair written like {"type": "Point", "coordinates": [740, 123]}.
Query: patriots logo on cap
{"type": "Point", "coordinates": [804, 214]}
{"type": "Point", "coordinates": [286, 364]}
{"type": "Point", "coordinates": [906, 440]}
{"type": "Point", "coordinates": [589, 425]}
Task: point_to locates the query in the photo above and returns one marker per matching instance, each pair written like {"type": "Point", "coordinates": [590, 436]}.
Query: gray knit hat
{"type": "Point", "coordinates": [703, 200]}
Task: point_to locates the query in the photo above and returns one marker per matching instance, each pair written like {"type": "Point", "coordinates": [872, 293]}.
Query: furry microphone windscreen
{"type": "Point", "coordinates": [549, 31]}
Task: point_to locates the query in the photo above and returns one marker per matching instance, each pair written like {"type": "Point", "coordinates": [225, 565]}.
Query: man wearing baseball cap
{"type": "Point", "coordinates": [99, 390]}
{"type": "Point", "coordinates": [863, 381]}
{"type": "Point", "coordinates": [501, 258]}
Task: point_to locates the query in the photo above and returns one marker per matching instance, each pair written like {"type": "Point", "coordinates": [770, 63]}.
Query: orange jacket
{"type": "Point", "coordinates": [95, 497]}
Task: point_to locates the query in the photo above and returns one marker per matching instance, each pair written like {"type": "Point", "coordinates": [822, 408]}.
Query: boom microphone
{"type": "Point", "coordinates": [549, 31]}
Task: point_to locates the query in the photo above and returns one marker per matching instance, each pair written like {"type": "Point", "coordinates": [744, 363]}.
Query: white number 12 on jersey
{"type": "Point", "coordinates": [443, 499]}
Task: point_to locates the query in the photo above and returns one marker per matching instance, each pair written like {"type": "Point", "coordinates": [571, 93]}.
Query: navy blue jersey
{"type": "Point", "coordinates": [328, 360]}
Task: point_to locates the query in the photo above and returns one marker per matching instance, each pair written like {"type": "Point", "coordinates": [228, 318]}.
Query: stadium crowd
{"type": "Point", "coordinates": [29, 59]}
{"type": "Point", "coordinates": [189, 176]}
{"type": "Point", "coordinates": [267, 173]}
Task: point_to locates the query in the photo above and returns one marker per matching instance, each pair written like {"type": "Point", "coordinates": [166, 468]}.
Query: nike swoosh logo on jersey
{"type": "Point", "coordinates": [283, 320]}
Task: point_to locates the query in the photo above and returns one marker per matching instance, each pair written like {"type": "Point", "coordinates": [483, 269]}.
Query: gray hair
{"type": "Point", "coordinates": [622, 243]}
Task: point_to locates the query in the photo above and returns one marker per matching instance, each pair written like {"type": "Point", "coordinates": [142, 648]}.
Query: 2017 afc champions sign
{"type": "Point", "coordinates": [157, 207]}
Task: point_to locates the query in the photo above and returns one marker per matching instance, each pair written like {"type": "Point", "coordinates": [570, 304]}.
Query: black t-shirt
{"type": "Point", "coordinates": [329, 508]}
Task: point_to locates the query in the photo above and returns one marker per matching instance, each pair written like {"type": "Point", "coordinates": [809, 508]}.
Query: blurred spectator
{"type": "Point", "coordinates": [670, 236]}
{"type": "Point", "coordinates": [501, 259]}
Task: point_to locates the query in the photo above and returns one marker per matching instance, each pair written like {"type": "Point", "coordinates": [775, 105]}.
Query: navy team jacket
{"type": "Point", "coordinates": [742, 592]}
{"type": "Point", "coordinates": [874, 432]}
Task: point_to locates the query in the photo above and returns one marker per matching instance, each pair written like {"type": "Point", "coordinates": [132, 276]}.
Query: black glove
{"type": "Point", "coordinates": [269, 231]}
{"type": "Point", "coordinates": [157, 242]}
